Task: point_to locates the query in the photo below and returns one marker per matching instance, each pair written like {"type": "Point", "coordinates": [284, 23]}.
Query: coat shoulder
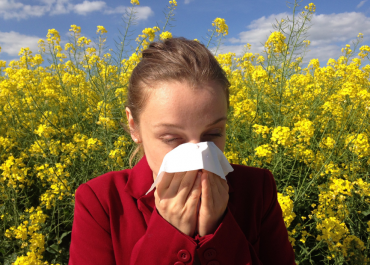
{"type": "Point", "coordinates": [247, 175]}
{"type": "Point", "coordinates": [110, 179]}
{"type": "Point", "coordinates": [255, 184]}
{"type": "Point", "coordinates": [107, 185]}
{"type": "Point", "coordinates": [250, 179]}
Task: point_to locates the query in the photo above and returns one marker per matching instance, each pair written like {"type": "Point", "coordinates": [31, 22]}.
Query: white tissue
{"type": "Point", "coordinates": [189, 156]}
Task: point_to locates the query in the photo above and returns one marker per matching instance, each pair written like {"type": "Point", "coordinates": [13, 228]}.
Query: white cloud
{"type": "Point", "coordinates": [142, 12]}
{"type": "Point", "coordinates": [187, 1]}
{"type": "Point", "coordinates": [88, 7]}
{"type": "Point", "coordinates": [327, 30]}
{"type": "Point", "coordinates": [361, 3]}
{"type": "Point", "coordinates": [10, 9]}
{"type": "Point", "coordinates": [61, 7]}
{"type": "Point", "coordinates": [323, 53]}
{"type": "Point", "coordinates": [338, 27]}
{"type": "Point", "coordinates": [237, 49]}
{"type": "Point", "coordinates": [11, 42]}
{"type": "Point", "coordinates": [259, 30]}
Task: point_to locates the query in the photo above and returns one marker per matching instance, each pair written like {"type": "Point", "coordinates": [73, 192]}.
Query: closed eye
{"type": "Point", "coordinates": [173, 139]}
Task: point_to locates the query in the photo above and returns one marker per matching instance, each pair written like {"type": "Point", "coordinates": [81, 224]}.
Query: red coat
{"type": "Point", "coordinates": [116, 223]}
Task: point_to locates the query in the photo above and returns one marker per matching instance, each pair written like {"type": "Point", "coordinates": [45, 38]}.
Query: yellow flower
{"type": "Point", "coordinates": [220, 25]}
{"type": "Point", "coordinates": [311, 7]}
{"type": "Point", "coordinates": [281, 135]}
{"type": "Point", "coordinates": [327, 142]}
{"type": "Point", "coordinates": [173, 2]}
{"type": "Point", "coordinates": [276, 42]}
{"type": "Point", "coordinates": [260, 59]}
{"type": "Point", "coordinates": [75, 29]}
{"type": "Point", "coordinates": [165, 35]}
{"type": "Point", "coordinates": [259, 129]}
{"type": "Point", "coordinates": [286, 205]}
{"type": "Point", "coordinates": [101, 29]}
{"type": "Point", "coordinates": [264, 151]}
{"type": "Point", "coordinates": [135, 2]}
{"type": "Point", "coordinates": [83, 41]}
{"type": "Point", "coordinates": [314, 63]}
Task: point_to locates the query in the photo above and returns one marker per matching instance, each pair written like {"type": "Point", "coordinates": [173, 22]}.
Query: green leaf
{"type": "Point", "coordinates": [366, 213]}
{"type": "Point", "coordinates": [54, 248]}
{"type": "Point", "coordinates": [63, 235]}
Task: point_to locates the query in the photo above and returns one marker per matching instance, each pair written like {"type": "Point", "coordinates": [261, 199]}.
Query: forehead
{"type": "Point", "coordinates": [178, 101]}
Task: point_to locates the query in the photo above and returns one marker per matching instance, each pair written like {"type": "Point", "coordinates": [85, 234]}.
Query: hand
{"type": "Point", "coordinates": [214, 199]}
{"type": "Point", "coordinates": [177, 197]}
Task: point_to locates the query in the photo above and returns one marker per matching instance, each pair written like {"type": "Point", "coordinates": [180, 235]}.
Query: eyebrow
{"type": "Point", "coordinates": [180, 127]}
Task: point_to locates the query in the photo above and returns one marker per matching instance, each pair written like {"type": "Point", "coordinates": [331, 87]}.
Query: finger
{"type": "Point", "coordinates": [207, 198]}
{"type": "Point", "coordinates": [224, 184]}
{"type": "Point", "coordinates": [164, 183]}
{"type": "Point", "coordinates": [193, 198]}
{"type": "Point", "coordinates": [222, 190]}
{"type": "Point", "coordinates": [174, 185]}
{"type": "Point", "coordinates": [156, 198]}
{"type": "Point", "coordinates": [214, 186]}
{"type": "Point", "coordinates": [186, 185]}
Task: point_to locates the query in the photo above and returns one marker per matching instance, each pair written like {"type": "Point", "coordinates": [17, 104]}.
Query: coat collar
{"type": "Point", "coordinates": [141, 179]}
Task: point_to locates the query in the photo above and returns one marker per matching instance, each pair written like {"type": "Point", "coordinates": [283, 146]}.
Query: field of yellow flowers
{"type": "Point", "coordinates": [61, 125]}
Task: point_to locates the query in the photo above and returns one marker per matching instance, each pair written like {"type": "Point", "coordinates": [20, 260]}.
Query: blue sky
{"type": "Point", "coordinates": [336, 23]}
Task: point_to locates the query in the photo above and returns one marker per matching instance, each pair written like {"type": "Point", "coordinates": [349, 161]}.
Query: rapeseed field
{"type": "Point", "coordinates": [63, 116]}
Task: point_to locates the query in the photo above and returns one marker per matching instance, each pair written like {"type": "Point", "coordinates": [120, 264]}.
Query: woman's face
{"type": "Point", "coordinates": [175, 114]}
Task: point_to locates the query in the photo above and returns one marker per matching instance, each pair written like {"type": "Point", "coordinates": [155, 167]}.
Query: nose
{"type": "Point", "coordinates": [195, 141]}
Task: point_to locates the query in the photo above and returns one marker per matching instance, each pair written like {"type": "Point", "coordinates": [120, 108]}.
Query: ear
{"type": "Point", "coordinates": [134, 134]}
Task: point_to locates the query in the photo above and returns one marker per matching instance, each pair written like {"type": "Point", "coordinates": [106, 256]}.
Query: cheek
{"type": "Point", "coordinates": [154, 152]}
{"type": "Point", "coordinates": [220, 143]}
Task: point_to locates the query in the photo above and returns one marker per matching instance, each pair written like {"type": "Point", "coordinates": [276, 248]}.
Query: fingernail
{"type": "Point", "coordinates": [199, 174]}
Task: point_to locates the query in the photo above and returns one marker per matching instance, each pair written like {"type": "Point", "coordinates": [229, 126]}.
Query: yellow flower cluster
{"type": "Point", "coordinates": [62, 114]}
{"type": "Point", "coordinates": [165, 35]}
{"type": "Point", "coordinates": [260, 129]}
{"type": "Point", "coordinates": [220, 26]}
{"type": "Point", "coordinates": [101, 30]}
{"type": "Point", "coordinates": [29, 234]}
{"type": "Point", "coordinates": [364, 51]}
{"type": "Point", "coordinates": [264, 151]}
{"type": "Point", "coordinates": [147, 37]}
{"type": "Point", "coordinates": [276, 43]}
{"type": "Point", "coordinates": [286, 204]}
{"type": "Point", "coordinates": [311, 7]}
{"type": "Point", "coordinates": [173, 2]}
{"type": "Point", "coordinates": [329, 140]}
{"type": "Point", "coordinates": [281, 135]}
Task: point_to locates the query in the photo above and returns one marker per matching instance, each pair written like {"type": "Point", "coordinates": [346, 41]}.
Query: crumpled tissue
{"type": "Point", "coordinates": [190, 156]}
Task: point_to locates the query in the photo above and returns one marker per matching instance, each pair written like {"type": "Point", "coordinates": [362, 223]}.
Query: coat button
{"type": "Point", "coordinates": [210, 254]}
{"type": "Point", "coordinates": [179, 263]}
{"type": "Point", "coordinates": [213, 262]}
{"type": "Point", "coordinates": [183, 255]}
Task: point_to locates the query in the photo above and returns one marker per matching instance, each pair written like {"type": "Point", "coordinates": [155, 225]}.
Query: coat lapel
{"type": "Point", "coordinates": [139, 182]}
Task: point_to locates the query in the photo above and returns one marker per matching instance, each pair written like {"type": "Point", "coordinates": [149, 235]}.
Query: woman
{"type": "Point", "coordinates": [178, 94]}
